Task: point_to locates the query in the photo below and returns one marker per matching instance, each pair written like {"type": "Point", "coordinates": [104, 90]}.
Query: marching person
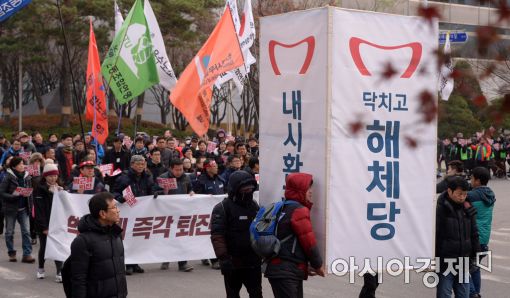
{"type": "Point", "coordinates": [43, 200]}
{"type": "Point", "coordinates": [230, 237]}
{"type": "Point", "coordinates": [176, 171]}
{"type": "Point", "coordinates": [287, 271]}
{"type": "Point", "coordinates": [16, 208]}
{"type": "Point", "coordinates": [141, 184]}
{"type": "Point", "coordinates": [97, 253]}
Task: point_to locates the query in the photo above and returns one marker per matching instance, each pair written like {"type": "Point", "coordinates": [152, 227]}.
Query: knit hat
{"type": "Point", "coordinates": [50, 169]}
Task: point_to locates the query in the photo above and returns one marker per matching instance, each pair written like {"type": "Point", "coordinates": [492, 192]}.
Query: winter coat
{"type": "Point", "coordinates": [297, 252]}
{"type": "Point", "coordinates": [141, 185]}
{"type": "Point", "coordinates": [183, 184]}
{"type": "Point", "coordinates": [63, 168]}
{"type": "Point", "coordinates": [206, 184]}
{"type": "Point", "coordinates": [43, 200]}
{"type": "Point", "coordinates": [156, 169]}
{"type": "Point", "coordinates": [120, 160]}
{"type": "Point", "coordinates": [97, 261]}
{"type": "Point", "coordinates": [456, 231]}
{"type": "Point", "coordinates": [10, 202]}
{"type": "Point", "coordinates": [167, 155]}
{"type": "Point", "coordinates": [483, 199]}
{"type": "Point", "coordinates": [8, 153]}
{"type": "Point", "coordinates": [230, 224]}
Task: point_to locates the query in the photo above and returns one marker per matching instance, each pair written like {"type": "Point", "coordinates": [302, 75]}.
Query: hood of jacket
{"type": "Point", "coordinates": [90, 224]}
{"type": "Point", "coordinates": [482, 193]}
{"type": "Point", "coordinates": [237, 180]}
{"type": "Point", "coordinates": [296, 186]}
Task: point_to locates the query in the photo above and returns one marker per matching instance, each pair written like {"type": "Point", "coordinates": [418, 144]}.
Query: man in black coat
{"type": "Point", "coordinates": [456, 238]}
{"type": "Point", "coordinates": [230, 237]}
{"type": "Point", "coordinates": [141, 183]}
{"type": "Point", "coordinates": [97, 253]}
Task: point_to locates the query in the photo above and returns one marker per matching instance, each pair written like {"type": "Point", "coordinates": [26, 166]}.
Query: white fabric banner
{"type": "Point", "coordinates": [166, 229]}
{"type": "Point", "coordinates": [342, 94]}
{"type": "Point", "coordinates": [293, 92]}
{"type": "Point", "coordinates": [166, 73]}
{"type": "Point", "coordinates": [382, 188]}
{"type": "Point", "coordinates": [245, 28]}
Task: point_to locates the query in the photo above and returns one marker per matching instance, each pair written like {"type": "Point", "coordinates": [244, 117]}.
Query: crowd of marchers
{"type": "Point", "coordinates": [220, 165]}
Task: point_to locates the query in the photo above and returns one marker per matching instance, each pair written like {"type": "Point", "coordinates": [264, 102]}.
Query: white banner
{"type": "Point", "coordinates": [342, 94]}
{"type": "Point", "coordinates": [293, 92]}
{"type": "Point", "coordinates": [166, 229]}
{"type": "Point", "coordinates": [382, 189]}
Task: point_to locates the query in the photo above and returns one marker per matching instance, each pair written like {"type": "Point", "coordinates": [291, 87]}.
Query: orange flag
{"type": "Point", "coordinates": [96, 102]}
{"type": "Point", "coordinates": [193, 92]}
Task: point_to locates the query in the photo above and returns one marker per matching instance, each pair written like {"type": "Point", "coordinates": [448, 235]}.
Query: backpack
{"type": "Point", "coordinates": [264, 228]}
{"type": "Point", "coordinates": [66, 274]}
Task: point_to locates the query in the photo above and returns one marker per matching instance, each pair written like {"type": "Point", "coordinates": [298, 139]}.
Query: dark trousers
{"type": "Point", "coordinates": [33, 234]}
{"type": "Point", "coordinates": [251, 278]}
{"type": "Point", "coordinates": [42, 250]}
{"type": "Point", "coordinates": [286, 288]}
{"type": "Point", "coordinates": [370, 284]}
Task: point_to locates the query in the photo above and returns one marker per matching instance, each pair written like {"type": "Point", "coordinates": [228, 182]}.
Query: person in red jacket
{"type": "Point", "coordinates": [287, 271]}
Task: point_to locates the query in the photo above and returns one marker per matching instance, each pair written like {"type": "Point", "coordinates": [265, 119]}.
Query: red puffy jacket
{"type": "Point", "coordinates": [298, 251]}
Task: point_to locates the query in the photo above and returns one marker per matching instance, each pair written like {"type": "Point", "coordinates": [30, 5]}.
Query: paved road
{"type": "Point", "coordinates": [18, 280]}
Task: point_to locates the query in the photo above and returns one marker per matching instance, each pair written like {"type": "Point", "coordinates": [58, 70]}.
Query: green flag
{"type": "Point", "coordinates": [129, 67]}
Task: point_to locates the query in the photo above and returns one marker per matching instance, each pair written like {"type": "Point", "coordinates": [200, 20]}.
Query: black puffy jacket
{"type": "Point", "coordinates": [141, 185]}
{"type": "Point", "coordinates": [97, 261]}
{"type": "Point", "coordinates": [230, 225]}
{"type": "Point", "coordinates": [10, 202]}
{"type": "Point", "coordinates": [456, 231]}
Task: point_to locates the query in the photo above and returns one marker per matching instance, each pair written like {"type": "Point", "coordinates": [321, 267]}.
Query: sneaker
{"type": "Point", "coordinates": [28, 260]}
{"type": "Point", "coordinates": [12, 257]}
{"type": "Point", "coordinates": [138, 269]}
{"type": "Point", "coordinates": [205, 262]}
{"type": "Point", "coordinates": [216, 265]}
{"type": "Point", "coordinates": [40, 275]}
{"type": "Point", "coordinates": [58, 278]}
{"type": "Point", "coordinates": [164, 266]}
{"type": "Point", "coordinates": [129, 270]}
{"type": "Point", "coordinates": [186, 268]}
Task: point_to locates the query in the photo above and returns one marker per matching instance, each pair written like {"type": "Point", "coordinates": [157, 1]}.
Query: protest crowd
{"type": "Point", "coordinates": [33, 169]}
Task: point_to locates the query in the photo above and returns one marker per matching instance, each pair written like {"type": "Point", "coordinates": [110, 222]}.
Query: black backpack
{"type": "Point", "coordinates": [66, 274]}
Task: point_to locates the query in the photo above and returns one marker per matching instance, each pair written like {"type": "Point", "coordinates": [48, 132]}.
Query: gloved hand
{"type": "Point", "coordinates": [157, 193]}
{"type": "Point", "coordinates": [471, 211]}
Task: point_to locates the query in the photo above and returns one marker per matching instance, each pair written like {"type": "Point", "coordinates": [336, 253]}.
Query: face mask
{"type": "Point", "coordinates": [244, 197]}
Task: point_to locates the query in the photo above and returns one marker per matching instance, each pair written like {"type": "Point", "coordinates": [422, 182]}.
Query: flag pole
{"type": "Point", "coordinates": [66, 47]}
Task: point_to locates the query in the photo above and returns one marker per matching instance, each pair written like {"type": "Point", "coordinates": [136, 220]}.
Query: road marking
{"type": "Point", "coordinates": [8, 274]}
{"type": "Point", "coordinates": [507, 234]}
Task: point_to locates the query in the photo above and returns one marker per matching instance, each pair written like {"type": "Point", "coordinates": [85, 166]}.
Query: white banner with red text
{"type": "Point", "coordinates": [167, 229]}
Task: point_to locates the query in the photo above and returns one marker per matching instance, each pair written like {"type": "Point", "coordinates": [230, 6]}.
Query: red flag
{"type": "Point", "coordinates": [96, 102]}
{"type": "Point", "coordinates": [220, 53]}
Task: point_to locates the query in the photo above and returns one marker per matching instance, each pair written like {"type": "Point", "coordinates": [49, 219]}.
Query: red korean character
{"type": "Point", "coordinates": [72, 224]}
{"type": "Point", "coordinates": [203, 221]}
{"type": "Point", "coordinates": [123, 224]}
{"type": "Point", "coordinates": [159, 229]}
{"type": "Point", "coordinates": [143, 227]}
{"type": "Point", "coordinates": [186, 225]}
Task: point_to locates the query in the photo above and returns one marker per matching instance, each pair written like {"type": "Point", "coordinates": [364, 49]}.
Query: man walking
{"type": "Point", "coordinates": [97, 253]}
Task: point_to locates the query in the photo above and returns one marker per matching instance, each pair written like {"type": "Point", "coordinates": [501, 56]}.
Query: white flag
{"type": "Point", "coordinates": [445, 79]}
{"type": "Point", "coordinates": [166, 73]}
{"type": "Point", "coordinates": [118, 18]}
{"type": "Point", "coordinates": [245, 28]}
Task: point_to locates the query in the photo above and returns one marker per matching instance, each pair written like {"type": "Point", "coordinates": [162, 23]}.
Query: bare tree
{"type": "Point", "coordinates": [161, 100]}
